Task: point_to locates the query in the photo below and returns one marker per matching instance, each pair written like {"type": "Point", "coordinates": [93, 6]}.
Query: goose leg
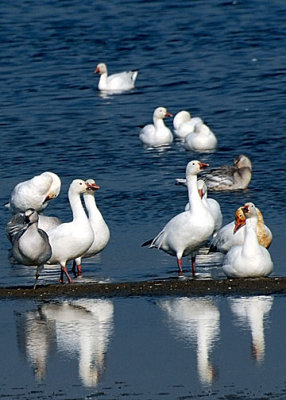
{"type": "Point", "coordinates": [38, 271]}
{"type": "Point", "coordinates": [193, 266]}
{"type": "Point", "coordinates": [64, 271]}
{"type": "Point", "coordinates": [179, 262]}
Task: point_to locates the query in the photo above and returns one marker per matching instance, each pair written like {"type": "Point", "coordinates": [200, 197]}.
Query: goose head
{"type": "Point", "coordinates": [181, 118]}
{"type": "Point", "coordinates": [78, 186]}
{"type": "Point", "coordinates": [249, 210]}
{"type": "Point", "coordinates": [242, 161]}
{"type": "Point", "coordinates": [194, 167]}
{"type": "Point", "coordinates": [239, 219]}
{"type": "Point", "coordinates": [161, 113]}
{"type": "Point", "coordinates": [100, 69]}
{"type": "Point", "coordinates": [31, 216]}
{"type": "Point", "coordinates": [91, 186]}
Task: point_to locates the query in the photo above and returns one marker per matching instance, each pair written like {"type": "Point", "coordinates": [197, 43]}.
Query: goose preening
{"type": "Point", "coordinates": [185, 233]}
{"type": "Point", "coordinates": [249, 259]}
{"type": "Point", "coordinates": [157, 134]}
{"type": "Point", "coordinates": [184, 124]}
{"type": "Point", "coordinates": [72, 239]}
{"type": "Point", "coordinates": [30, 245]}
{"type": "Point", "coordinates": [225, 239]}
{"type": "Point", "coordinates": [202, 139]}
{"type": "Point", "coordinates": [212, 204]}
{"type": "Point", "coordinates": [100, 229]}
{"type": "Point", "coordinates": [119, 82]}
{"type": "Point", "coordinates": [35, 193]}
{"type": "Point", "coordinates": [228, 177]}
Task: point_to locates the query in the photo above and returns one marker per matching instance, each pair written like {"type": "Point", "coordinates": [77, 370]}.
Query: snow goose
{"type": "Point", "coordinates": [225, 238]}
{"type": "Point", "coordinates": [119, 82]}
{"type": "Point", "coordinates": [30, 245]}
{"type": "Point", "coordinates": [202, 139]}
{"type": "Point", "coordinates": [185, 233]}
{"type": "Point", "coordinates": [195, 321]}
{"type": "Point", "coordinates": [100, 229]}
{"type": "Point", "coordinates": [184, 124]}
{"type": "Point", "coordinates": [212, 204]}
{"type": "Point", "coordinates": [157, 134]}
{"type": "Point", "coordinates": [228, 177]}
{"type": "Point", "coordinates": [35, 192]}
{"type": "Point", "coordinates": [249, 259]}
{"type": "Point", "coordinates": [72, 239]}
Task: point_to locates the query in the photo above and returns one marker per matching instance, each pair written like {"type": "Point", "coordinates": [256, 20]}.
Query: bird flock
{"type": "Point", "coordinates": [37, 239]}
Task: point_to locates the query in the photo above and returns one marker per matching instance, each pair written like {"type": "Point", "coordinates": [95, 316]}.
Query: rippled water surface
{"type": "Point", "coordinates": [223, 61]}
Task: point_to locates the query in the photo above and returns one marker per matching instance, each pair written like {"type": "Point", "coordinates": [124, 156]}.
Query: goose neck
{"type": "Point", "coordinates": [76, 206]}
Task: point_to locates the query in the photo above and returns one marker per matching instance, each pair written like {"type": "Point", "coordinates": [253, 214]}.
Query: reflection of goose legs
{"type": "Point", "coordinates": [195, 320]}
{"type": "Point", "coordinates": [250, 313]}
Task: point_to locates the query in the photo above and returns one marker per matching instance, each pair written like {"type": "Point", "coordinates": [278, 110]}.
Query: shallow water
{"type": "Point", "coordinates": [145, 348]}
{"type": "Point", "coordinates": [223, 61]}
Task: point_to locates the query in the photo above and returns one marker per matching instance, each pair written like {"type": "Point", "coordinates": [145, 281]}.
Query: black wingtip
{"type": "Point", "coordinates": [147, 243]}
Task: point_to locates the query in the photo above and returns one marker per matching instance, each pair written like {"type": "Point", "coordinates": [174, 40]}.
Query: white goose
{"type": "Point", "coordinates": [157, 134]}
{"type": "Point", "coordinates": [35, 192]}
{"type": "Point", "coordinates": [119, 82]}
{"type": "Point", "coordinates": [187, 231]}
{"type": "Point", "coordinates": [100, 229]}
{"type": "Point", "coordinates": [30, 245]}
{"type": "Point", "coordinates": [212, 204]}
{"type": "Point", "coordinates": [250, 259]}
{"type": "Point", "coordinates": [184, 124]}
{"type": "Point", "coordinates": [225, 238]}
{"type": "Point", "coordinates": [202, 139]}
{"type": "Point", "coordinates": [71, 240]}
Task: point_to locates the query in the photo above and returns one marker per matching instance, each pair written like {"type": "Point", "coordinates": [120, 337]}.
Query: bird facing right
{"type": "Point", "coordinates": [185, 233]}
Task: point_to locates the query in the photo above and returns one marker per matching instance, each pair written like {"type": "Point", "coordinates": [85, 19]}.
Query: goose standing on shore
{"type": "Point", "coordinates": [35, 193]}
{"type": "Point", "coordinates": [100, 229]}
{"type": "Point", "coordinates": [72, 239]}
{"type": "Point", "coordinates": [185, 233]}
{"type": "Point", "coordinates": [157, 134]}
{"type": "Point", "coordinates": [250, 259]}
{"type": "Point", "coordinates": [119, 82]}
{"type": "Point", "coordinates": [30, 245]}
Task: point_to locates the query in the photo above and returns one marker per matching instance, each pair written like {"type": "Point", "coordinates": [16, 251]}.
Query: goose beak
{"type": "Point", "coordinates": [203, 165]}
{"type": "Point", "coordinates": [96, 71]}
{"type": "Point", "coordinates": [92, 186]}
{"type": "Point", "coordinates": [168, 114]}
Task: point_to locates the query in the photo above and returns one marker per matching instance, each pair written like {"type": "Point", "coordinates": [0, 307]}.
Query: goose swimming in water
{"type": "Point", "coordinates": [157, 134]}
{"type": "Point", "coordinates": [228, 177]}
{"type": "Point", "coordinates": [119, 82]}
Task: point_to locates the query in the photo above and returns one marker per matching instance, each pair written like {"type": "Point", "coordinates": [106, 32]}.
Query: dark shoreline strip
{"type": "Point", "coordinates": [189, 287]}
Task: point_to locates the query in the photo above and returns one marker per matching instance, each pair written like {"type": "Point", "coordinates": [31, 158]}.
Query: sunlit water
{"type": "Point", "coordinates": [170, 347]}
{"type": "Point", "coordinates": [223, 61]}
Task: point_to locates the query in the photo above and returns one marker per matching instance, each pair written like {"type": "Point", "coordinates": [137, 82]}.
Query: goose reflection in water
{"type": "Point", "coordinates": [81, 327]}
{"type": "Point", "coordinates": [36, 339]}
{"type": "Point", "coordinates": [195, 320]}
{"type": "Point", "coordinates": [251, 313]}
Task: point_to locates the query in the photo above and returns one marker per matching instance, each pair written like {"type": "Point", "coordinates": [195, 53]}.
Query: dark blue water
{"type": "Point", "coordinates": [222, 60]}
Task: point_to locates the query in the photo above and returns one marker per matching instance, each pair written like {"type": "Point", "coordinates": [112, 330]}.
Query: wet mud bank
{"type": "Point", "coordinates": [178, 287]}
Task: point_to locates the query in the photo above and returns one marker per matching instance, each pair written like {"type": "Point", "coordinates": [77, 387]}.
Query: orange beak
{"type": "Point", "coordinates": [203, 165]}
{"type": "Point", "coordinates": [168, 114]}
{"type": "Point", "coordinates": [92, 186]}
